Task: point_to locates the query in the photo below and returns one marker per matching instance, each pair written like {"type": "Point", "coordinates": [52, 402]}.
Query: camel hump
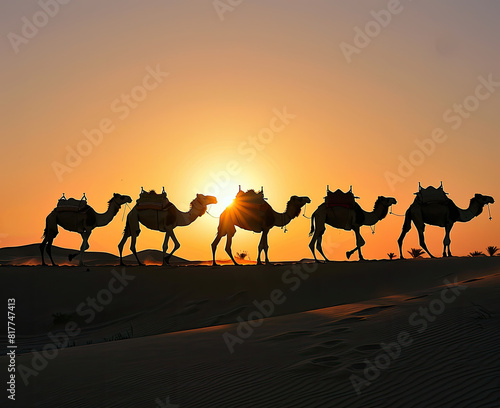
{"type": "Point", "coordinates": [150, 200]}
{"type": "Point", "coordinates": [432, 194]}
{"type": "Point", "coordinates": [72, 204]}
{"type": "Point", "coordinates": [338, 198]}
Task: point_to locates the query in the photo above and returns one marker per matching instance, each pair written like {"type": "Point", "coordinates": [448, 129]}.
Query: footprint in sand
{"type": "Point", "coordinates": [320, 348]}
{"type": "Point", "coordinates": [289, 335]}
{"type": "Point", "coordinates": [357, 366]}
{"type": "Point", "coordinates": [366, 348]}
{"type": "Point", "coordinates": [316, 364]}
{"type": "Point", "coordinates": [328, 361]}
{"type": "Point", "coordinates": [329, 333]}
{"type": "Point", "coordinates": [372, 310]}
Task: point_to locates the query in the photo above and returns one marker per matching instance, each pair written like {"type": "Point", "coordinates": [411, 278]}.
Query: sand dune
{"type": "Point", "coordinates": [314, 350]}
{"type": "Point", "coordinates": [29, 255]}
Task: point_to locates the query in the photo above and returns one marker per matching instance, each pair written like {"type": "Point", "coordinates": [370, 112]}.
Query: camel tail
{"type": "Point", "coordinates": [312, 223]}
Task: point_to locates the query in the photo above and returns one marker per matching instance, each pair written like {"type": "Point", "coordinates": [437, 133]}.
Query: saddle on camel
{"type": "Point", "coordinates": [338, 198]}
{"type": "Point", "coordinates": [431, 195]}
{"type": "Point", "coordinates": [72, 204]}
{"type": "Point", "coordinates": [150, 200]}
{"type": "Point", "coordinates": [251, 199]}
{"type": "Point", "coordinates": [347, 200]}
{"type": "Point", "coordinates": [85, 215]}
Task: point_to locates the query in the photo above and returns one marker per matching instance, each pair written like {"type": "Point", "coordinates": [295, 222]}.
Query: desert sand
{"type": "Point", "coordinates": [401, 333]}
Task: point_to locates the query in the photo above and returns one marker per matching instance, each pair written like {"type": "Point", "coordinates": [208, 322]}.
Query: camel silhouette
{"type": "Point", "coordinates": [441, 213]}
{"type": "Point", "coordinates": [346, 217]}
{"type": "Point", "coordinates": [250, 212]}
{"type": "Point", "coordinates": [164, 220]}
{"type": "Point", "coordinates": [82, 219]}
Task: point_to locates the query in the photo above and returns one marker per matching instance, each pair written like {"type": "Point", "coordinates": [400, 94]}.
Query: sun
{"type": "Point", "coordinates": [225, 201]}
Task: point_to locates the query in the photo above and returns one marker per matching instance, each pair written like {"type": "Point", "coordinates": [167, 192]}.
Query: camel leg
{"type": "Point", "coordinates": [165, 248]}
{"type": "Point", "coordinates": [261, 247]}
{"type": "Point", "coordinates": [49, 250]}
{"type": "Point", "coordinates": [421, 228]}
{"type": "Point", "coordinates": [134, 231]}
{"type": "Point", "coordinates": [229, 241]}
{"type": "Point", "coordinates": [265, 245]}
{"type": "Point", "coordinates": [311, 246]}
{"type": "Point", "coordinates": [133, 249]}
{"type": "Point", "coordinates": [42, 250]}
{"type": "Point", "coordinates": [126, 235]}
{"type": "Point", "coordinates": [48, 236]}
{"type": "Point", "coordinates": [71, 256]}
{"type": "Point", "coordinates": [313, 239]}
{"type": "Point", "coordinates": [406, 228]}
{"type": "Point", "coordinates": [317, 235]}
{"type": "Point", "coordinates": [319, 243]}
{"type": "Point", "coordinates": [176, 246]}
{"type": "Point", "coordinates": [214, 246]}
{"type": "Point", "coordinates": [447, 240]}
{"type": "Point", "coordinates": [359, 243]}
{"type": "Point", "coordinates": [85, 245]}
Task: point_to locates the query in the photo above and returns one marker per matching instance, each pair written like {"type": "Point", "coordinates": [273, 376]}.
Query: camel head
{"type": "Point", "coordinates": [199, 204]}
{"type": "Point", "coordinates": [120, 199]}
{"type": "Point", "coordinates": [295, 204]}
{"type": "Point", "coordinates": [206, 199]}
{"type": "Point", "coordinates": [483, 200]}
{"type": "Point", "coordinates": [386, 201]}
{"type": "Point", "coordinates": [382, 205]}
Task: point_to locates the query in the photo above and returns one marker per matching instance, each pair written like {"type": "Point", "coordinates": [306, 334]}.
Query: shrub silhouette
{"type": "Point", "coordinates": [416, 253]}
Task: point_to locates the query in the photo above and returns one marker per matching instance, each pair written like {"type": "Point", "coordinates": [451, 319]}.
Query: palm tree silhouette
{"type": "Point", "coordinates": [492, 250]}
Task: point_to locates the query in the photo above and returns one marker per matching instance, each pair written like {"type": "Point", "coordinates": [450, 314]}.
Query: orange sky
{"type": "Point", "coordinates": [218, 84]}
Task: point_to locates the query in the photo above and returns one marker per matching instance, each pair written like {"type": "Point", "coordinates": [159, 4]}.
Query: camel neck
{"type": "Point", "coordinates": [186, 218]}
{"type": "Point", "coordinates": [378, 213]}
{"type": "Point", "coordinates": [471, 212]}
{"type": "Point", "coordinates": [281, 219]}
{"type": "Point", "coordinates": [106, 217]}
